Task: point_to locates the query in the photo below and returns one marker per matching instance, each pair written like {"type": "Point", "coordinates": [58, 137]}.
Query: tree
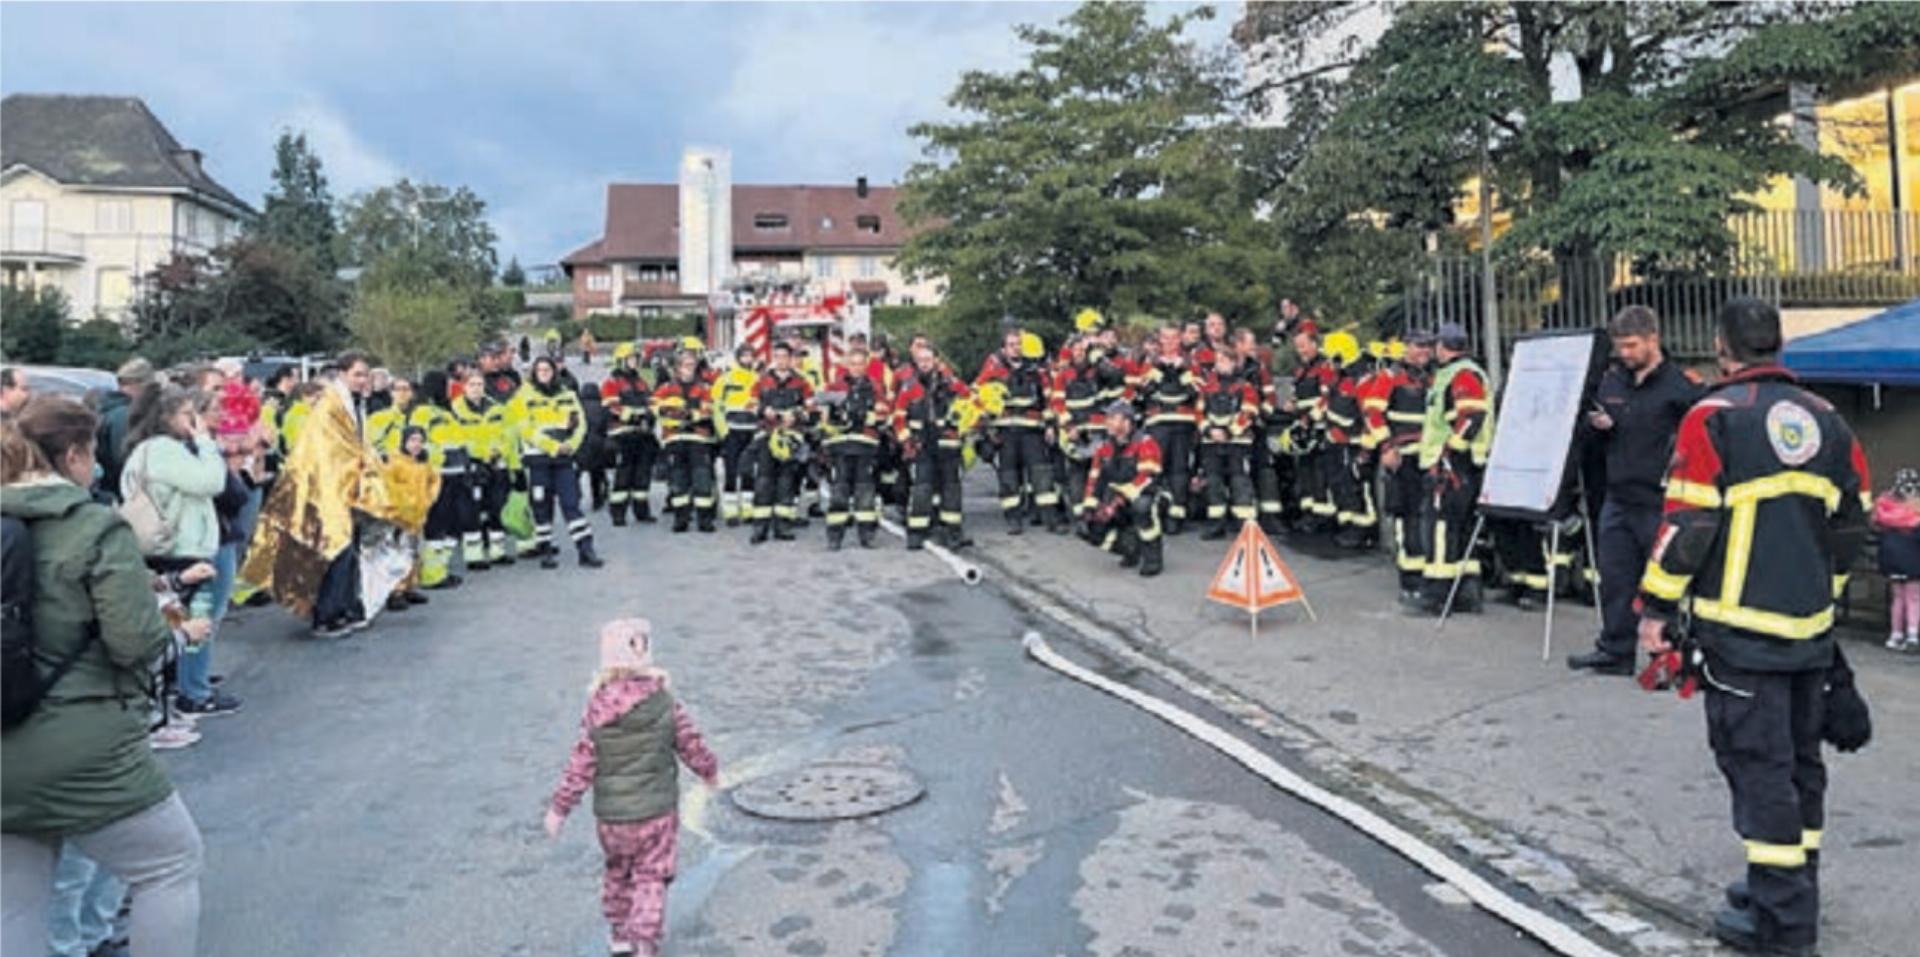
{"type": "Point", "coordinates": [248, 294]}
{"type": "Point", "coordinates": [417, 234]}
{"type": "Point", "coordinates": [411, 329]}
{"type": "Point", "coordinates": [1104, 172]}
{"type": "Point", "coordinates": [35, 320]}
{"type": "Point", "coordinates": [1666, 118]}
{"type": "Point", "coordinates": [95, 344]}
{"type": "Point", "coordinates": [513, 275]}
{"type": "Point", "coordinates": [298, 211]}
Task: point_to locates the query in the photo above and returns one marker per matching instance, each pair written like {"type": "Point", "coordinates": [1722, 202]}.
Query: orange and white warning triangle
{"type": "Point", "coordinates": [1252, 576]}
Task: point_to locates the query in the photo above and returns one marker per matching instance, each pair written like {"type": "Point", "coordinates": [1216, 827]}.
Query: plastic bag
{"type": "Point", "coordinates": [516, 516]}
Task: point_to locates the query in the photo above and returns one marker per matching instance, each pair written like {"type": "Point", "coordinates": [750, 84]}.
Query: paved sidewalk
{"type": "Point", "coordinates": [1469, 734]}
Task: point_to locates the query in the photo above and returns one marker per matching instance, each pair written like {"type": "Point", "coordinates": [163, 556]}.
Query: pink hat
{"type": "Point", "coordinates": [627, 643]}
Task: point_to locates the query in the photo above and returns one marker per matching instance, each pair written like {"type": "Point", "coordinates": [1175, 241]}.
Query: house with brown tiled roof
{"type": "Point", "coordinates": [837, 238]}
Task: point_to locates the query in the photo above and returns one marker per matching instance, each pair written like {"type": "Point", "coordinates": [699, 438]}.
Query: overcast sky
{"type": "Point", "coordinates": [537, 106]}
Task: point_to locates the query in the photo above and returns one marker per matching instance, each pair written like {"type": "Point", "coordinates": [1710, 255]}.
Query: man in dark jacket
{"type": "Point", "coordinates": [135, 377]}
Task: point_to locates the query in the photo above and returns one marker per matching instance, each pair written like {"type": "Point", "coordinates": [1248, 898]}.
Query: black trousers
{"type": "Point", "coordinates": [1266, 478]}
{"type": "Point", "coordinates": [339, 596]}
{"type": "Point", "coordinates": [1350, 480]}
{"type": "Point", "coordinates": [634, 455]}
{"type": "Point", "coordinates": [936, 476]}
{"type": "Point", "coordinates": [456, 511]}
{"type": "Point", "coordinates": [1523, 555]}
{"type": "Point", "coordinates": [1448, 509]}
{"type": "Point", "coordinates": [1228, 484]}
{"type": "Point", "coordinates": [1411, 548]}
{"type": "Point", "coordinates": [1134, 529]}
{"type": "Point", "coordinates": [1625, 542]}
{"type": "Point", "coordinates": [776, 483]}
{"type": "Point", "coordinates": [854, 485]}
{"type": "Point", "coordinates": [1767, 745]}
{"type": "Point", "coordinates": [734, 456]}
{"type": "Point", "coordinates": [1024, 465]}
{"type": "Point", "coordinates": [1176, 440]}
{"type": "Point", "coordinates": [690, 475]}
{"type": "Point", "coordinates": [553, 480]}
{"type": "Point", "coordinates": [1310, 481]}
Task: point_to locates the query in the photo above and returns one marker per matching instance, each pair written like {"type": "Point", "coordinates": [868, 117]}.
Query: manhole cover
{"type": "Point", "coordinates": [829, 791]}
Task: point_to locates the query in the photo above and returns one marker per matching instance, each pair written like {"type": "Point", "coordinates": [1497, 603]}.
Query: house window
{"type": "Point", "coordinates": [649, 273]}
{"type": "Point", "coordinates": [649, 312]}
{"type": "Point", "coordinates": [826, 222]}
{"type": "Point", "coordinates": [906, 300]}
{"type": "Point", "coordinates": [868, 266]}
{"type": "Point", "coordinates": [770, 221]}
{"type": "Point", "coordinates": [823, 267]}
{"type": "Point", "coordinates": [113, 216]}
{"type": "Point", "coordinates": [599, 282]}
{"type": "Point", "coordinates": [114, 289]}
{"type": "Point", "coordinates": [867, 223]}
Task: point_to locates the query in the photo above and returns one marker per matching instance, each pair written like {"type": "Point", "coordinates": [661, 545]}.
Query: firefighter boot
{"type": "Point", "coordinates": [955, 538]}
{"type": "Point", "coordinates": [1057, 521]}
{"type": "Point", "coordinates": [1739, 928]}
{"type": "Point", "coordinates": [682, 519]}
{"type": "Point", "coordinates": [706, 519]}
{"type": "Point", "coordinates": [1016, 521]}
{"type": "Point", "coordinates": [642, 509]}
{"type": "Point", "coordinates": [1150, 558]}
{"type": "Point", "coordinates": [866, 535]}
{"type": "Point", "coordinates": [1215, 533]}
{"type": "Point", "coordinates": [783, 529]}
{"type": "Point", "coordinates": [761, 530]}
{"type": "Point", "coordinates": [618, 510]}
{"type": "Point", "coordinates": [916, 540]}
{"type": "Point", "coordinates": [588, 557]}
{"type": "Point", "coordinates": [1129, 548]}
{"type": "Point", "coordinates": [836, 536]}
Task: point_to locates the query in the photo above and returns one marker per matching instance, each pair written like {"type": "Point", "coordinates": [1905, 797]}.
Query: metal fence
{"type": "Point", "coordinates": [1572, 294]}
{"type": "Point", "coordinates": [1833, 256]}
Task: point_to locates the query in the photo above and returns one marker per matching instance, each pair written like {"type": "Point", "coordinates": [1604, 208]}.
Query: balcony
{"type": "Point", "coordinates": [649, 289]}
{"type": "Point", "coordinates": [44, 246]}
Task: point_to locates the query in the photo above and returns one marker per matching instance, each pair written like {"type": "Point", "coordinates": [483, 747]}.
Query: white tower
{"type": "Point", "coordinates": [706, 218]}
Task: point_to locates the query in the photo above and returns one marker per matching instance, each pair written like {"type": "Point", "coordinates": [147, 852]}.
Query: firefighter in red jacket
{"type": "Point", "coordinates": [684, 408]}
{"type": "Point", "coordinates": [1314, 381]}
{"type": "Point", "coordinates": [926, 421]}
{"type": "Point", "coordinates": [628, 400]}
{"type": "Point", "coordinates": [1765, 510]}
{"type": "Point", "coordinates": [782, 399]}
{"type": "Point", "coordinates": [857, 421]}
{"type": "Point", "coordinates": [1406, 386]}
{"type": "Point", "coordinates": [1024, 465]}
{"type": "Point", "coordinates": [1169, 395]}
{"type": "Point", "coordinates": [1079, 403]}
{"type": "Point", "coordinates": [1456, 435]}
{"type": "Point", "coordinates": [1229, 406]}
{"type": "Point", "coordinates": [1123, 492]}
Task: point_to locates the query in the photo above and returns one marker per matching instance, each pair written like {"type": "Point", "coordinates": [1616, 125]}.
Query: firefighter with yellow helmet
{"type": "Point", "coordinates": [1025, 463]}
{"type": "Point", "coordinates": [738, 423]}
{"type": "Point", "coordinates": [628, 399]}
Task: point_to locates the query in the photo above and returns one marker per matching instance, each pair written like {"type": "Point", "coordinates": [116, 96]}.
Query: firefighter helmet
{"type": "Point", "coordinates": [1396, 349]}
{"type": "Point", "coordinates": [1031, 347]}
{"type": "Point", "coordinates": [622, 351]}
{"type": "Point", "coordinates": [992, 397]}
{"type": "Point", "coordinates": [693, 344]}
{"type": "Point", "coordinates": [1342, 348]}
{"type": "Point", "coordinates": [1378, 349]}
{"type": "Point", "coordinates": [1088, 320]}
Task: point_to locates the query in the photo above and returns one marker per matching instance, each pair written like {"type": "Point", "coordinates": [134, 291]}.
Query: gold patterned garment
{"type": "Point", "coordinates": [411, 488]}
{"type": "Point", "coordinates": [329, 475]}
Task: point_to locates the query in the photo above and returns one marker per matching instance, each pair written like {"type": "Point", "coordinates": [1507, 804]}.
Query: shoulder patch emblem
{"type": "Point", "coordinates": [1793, 432]}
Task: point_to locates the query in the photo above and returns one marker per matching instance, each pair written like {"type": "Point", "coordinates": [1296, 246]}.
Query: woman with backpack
{"type": "Point", "coordinates": [175, 466]}
{"type": "Point", "coordinates": [78, 768]}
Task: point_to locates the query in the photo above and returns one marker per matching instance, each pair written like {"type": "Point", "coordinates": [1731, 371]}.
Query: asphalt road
{"type": "Point", "coordinates": [382, 794]}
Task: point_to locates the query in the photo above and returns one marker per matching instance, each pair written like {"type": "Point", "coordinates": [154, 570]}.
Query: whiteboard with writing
{"type": "Point", "coordinates": [1547, 380]}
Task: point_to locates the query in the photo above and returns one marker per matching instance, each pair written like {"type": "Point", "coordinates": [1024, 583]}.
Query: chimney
{"type": "Point", "coordinates": [860, 187]}
{"type": "Point", "coordinates": [190, 160]}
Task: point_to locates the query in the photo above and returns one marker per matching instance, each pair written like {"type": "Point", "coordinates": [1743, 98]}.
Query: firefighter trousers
{"type": "Point", "coordinates": [936, 478]}
{"type": "Point", "coordinates": [1410, 546]}
{"type": "Point", "coordinates": [1134, 532]}
{"type": "Point", "coordinates": [1350, 481]}
{"type": "Point", "coordinates": [489, 542]}
{"type": "Point", "coordinates": [776, 484]}
{"type": "Point", "coordinates": [689, 478]}
{"type": "Point", "coordinates": [455, 514]}
{"type": "Point", "coordinates": [634, 455]}
{"type": "Point", "coordinates": [736, 458]}
{"type": "Point", "coordinates": [1228, 484]}
{"type": "Point", "coordinates": [1024, 465]}
{"type": "Point", "coordinates": [1447, 517]}
{"type": "Point", "coordinates": [1266, 478]}
{"type": "Point", "coordinates": [1522, 549]}
{"type": "Point", "coordinates": [1767, 745]}
{"type": "Point", "coordinates": [1176, 463]}
{"type": "Point", "coordinates": [854, 486]}
{"type": "Point", "coordinates": [553, 480]}
{"type": "Point", "coordinates": [1310, 483]}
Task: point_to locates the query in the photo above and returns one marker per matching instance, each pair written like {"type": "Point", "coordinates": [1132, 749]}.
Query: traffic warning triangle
{"type": "Point", "coordinates": [1252, 576]}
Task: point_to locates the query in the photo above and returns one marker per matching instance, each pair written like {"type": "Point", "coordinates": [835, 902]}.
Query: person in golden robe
{"type": "Point", "coordinates": [413, 482]}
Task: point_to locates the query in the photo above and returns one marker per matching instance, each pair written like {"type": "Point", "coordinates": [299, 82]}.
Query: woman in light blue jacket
{"type": "Point", "coordinates": [173, 458]}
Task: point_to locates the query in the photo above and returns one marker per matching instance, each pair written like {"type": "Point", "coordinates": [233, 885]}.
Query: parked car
{"type": "Point", "coordinates": [74, 382]}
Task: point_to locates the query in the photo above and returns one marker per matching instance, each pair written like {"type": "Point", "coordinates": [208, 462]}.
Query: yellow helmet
{"type": "Point", "coordinates": [553, 335]}
{"type": "Point", "coordinates": [622, 351]}
{"type": "Point", "coordinates": [993, 397]}
{"type": "Point", "coordinates": [1342, 348]}
{"type": "Point", "coordinates": [1088, 320]}
{"type": "Point", "coordinates": [1377, 349]}
{"type": "Point", "coordinates": [692, 344]}
{"type": "Point", "coordinates": [1031, 347]}
{"type": "Point", "coordinates": [1396, 349]}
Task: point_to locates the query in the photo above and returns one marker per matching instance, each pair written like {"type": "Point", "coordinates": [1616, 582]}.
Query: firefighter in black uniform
{"type": "Point", "coordinates": [1078, 414]}
{"type": "Point", "coordinates": [1024, 465]}
{"type": "Point", "coordinates": [1253, 370]}
{"type": "Point", "coordinates": [1169, 394]}
{"type": "Point", "coordinates": [857, 418]}
{"type": "Point", "coordinates": [733, 393]}
{"type": "Point", "coordinates": [782, 400]}
{"type": "Point", "coordinates": [1314, 381]}
{"type": "Point", "coordinates": [684, 408]}
{"type": "Point", "coordinates": [1406, 410]}
{"type": "Point", "coordinates": [1123, 492]}
{"type": "Point", "coordinates": [1765, 509]}
{"type": "Point", "coordinates": [1228, 408]}
{"type": "Point", "coordinates": [628, 400]}
{"type": "Point", "coordinates": [926, 421]}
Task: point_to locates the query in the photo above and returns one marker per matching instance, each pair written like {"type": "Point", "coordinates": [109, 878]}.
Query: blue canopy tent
{"type": "Point", "coordinates": [1878, 350]}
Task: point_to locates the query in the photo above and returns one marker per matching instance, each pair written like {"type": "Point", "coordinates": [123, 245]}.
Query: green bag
{"type": "Point", "coordinates": [517, 515]}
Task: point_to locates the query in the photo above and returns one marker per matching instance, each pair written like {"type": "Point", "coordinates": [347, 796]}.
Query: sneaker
{"type": "Point", "coordinates": [332, 629]}
{"type": "Point", "coordinates": [214, 704]}
{"type": "Point", "coordinates": [173, 737]}
{"type": "Point", "coordinates": [1895, 642]}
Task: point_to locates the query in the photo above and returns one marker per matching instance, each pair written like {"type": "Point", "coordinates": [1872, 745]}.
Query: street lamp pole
{"type": "Point", "coordinates": [1490, 311]}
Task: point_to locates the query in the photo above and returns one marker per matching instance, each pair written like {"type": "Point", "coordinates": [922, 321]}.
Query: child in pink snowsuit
{"type": "Point", "coordinates": [631, 742]}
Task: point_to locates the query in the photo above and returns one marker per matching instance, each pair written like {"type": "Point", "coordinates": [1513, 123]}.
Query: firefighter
{"type": "Point", "coordinates": [494, 455]}
{"type": "Point", "coordinates": [627, 398]}
{"type": "Point", "coordinates": [383, 428]}
{"type": "Point", "coordinates": [1251, 367]}
{"type": "Point", "coordinates": [1407, 385]}
{"type": "Point", "coordinates": [1229, 406]}
{"type": "Point", "coordinates": [447, 517]}
{"type": "Point", "coordinates": [1122, 493]}
{"type": "Point", "coordinates": [684, 408]}
{"type": "Point", "coordinates": [781, 401]}
{"type": "Point", "coordinates": [733, 396]}
{"type": "Point", "coordinates": [496, 365]}
{"type": "Point", "coordinates": [1169, 394]}
{"type": "Point", "coordinates": [1023, 463]}
{"type": "Point", "coordinates": [926, 416]}
{"type": "Point", "coordinates": [1313, 384]}
{"type": "Point", "coordinates": [1455, 436]}
{"type": "Point", "coordinates": [1765, 506]}
{"type": "Point", "coordinates": [856, 424]}
{"type": "Point", "coordinates": [552, 426]}
{"type": "Point", "coordinates": [1343, 464]}
{"type": "Point", "coordinates": [1079, 416]}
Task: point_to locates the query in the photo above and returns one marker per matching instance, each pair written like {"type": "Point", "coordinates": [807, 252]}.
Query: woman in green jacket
{"type": "Point", "coordinates": [78, 768]}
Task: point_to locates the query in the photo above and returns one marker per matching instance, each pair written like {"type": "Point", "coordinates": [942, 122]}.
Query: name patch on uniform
{"type": "Point", "coordinates": [1794, 433]}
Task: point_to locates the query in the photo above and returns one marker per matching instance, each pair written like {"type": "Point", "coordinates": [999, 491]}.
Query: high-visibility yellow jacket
{"type": "Point", "coordinates": [548, 421]}
{"type": "Point", "coordinates": [291, 422]}
{"type": "Point", "coordinates": [384, 428]}
{"type": "Point", "coordinates": [733, 399]}
{"type": "Point", "coordinates": [483, 432]}
{"type": "Point", "coordinates": [446, 440]}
